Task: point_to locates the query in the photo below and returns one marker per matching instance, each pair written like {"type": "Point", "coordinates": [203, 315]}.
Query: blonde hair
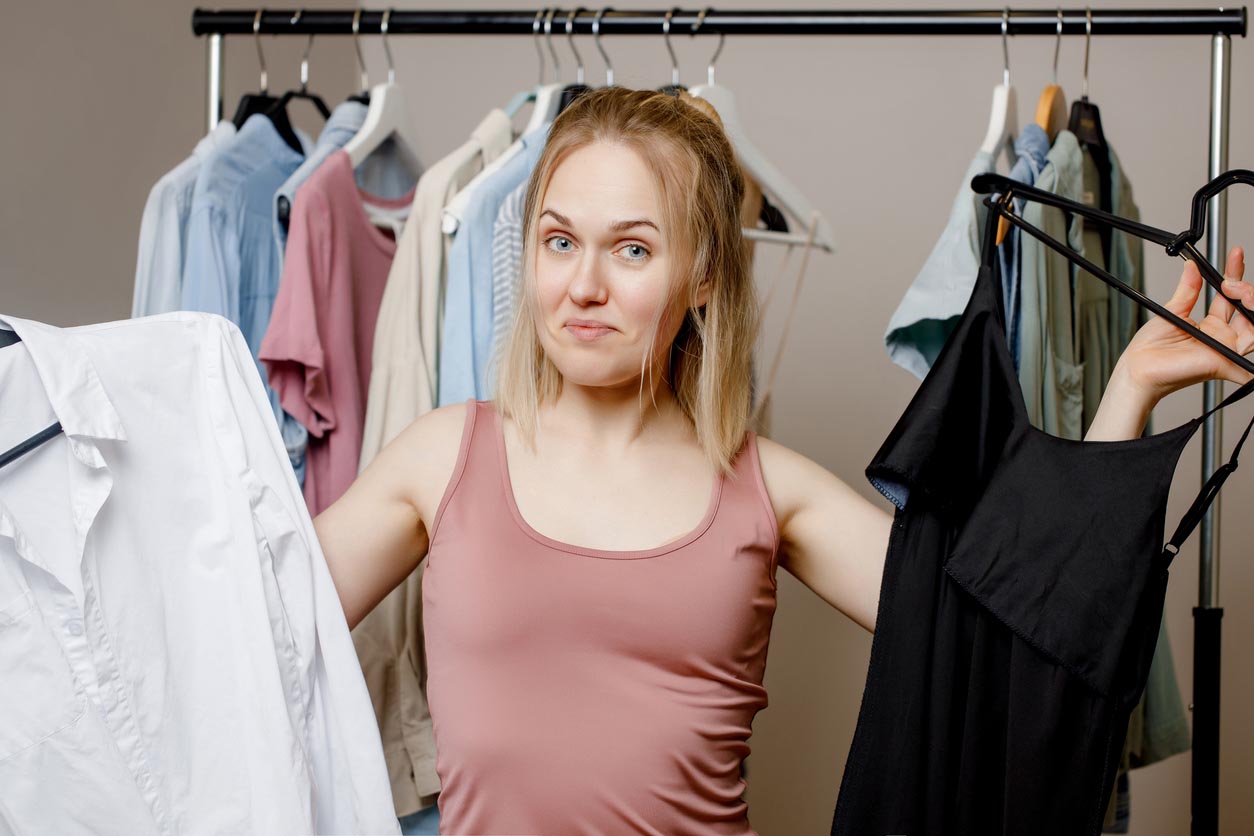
{"type": "Point", "coordinates": [701, 189]}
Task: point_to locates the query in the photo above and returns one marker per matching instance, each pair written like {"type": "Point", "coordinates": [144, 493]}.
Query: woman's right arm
{"type": "Point", "coordinates": [377, 532]}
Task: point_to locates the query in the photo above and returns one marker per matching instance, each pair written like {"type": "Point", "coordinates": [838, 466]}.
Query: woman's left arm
{"type": "Point", "coordinates": [834, 540]}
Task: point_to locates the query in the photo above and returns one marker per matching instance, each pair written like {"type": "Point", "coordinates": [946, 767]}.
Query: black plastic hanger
{"type": "Point", "coordinates": [303, 91]}
{"type": "Point", "coordinates": [1086, 123]}
{"type": "Point", "coordinates": [262, 102]}
{"type": "Point", "coordinates": [1181, 244]}
{"type": "Point", "coordinates": [8, 338]}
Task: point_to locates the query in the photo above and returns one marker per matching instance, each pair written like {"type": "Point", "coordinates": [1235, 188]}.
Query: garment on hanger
{"type": "Point", "coordinates": [175, 655]}
{"type": "Point", "coordinates": [1049, 369]}
{"type": "Point", "coordinates": [403, 387]}
{"type": "Point", "coordinates": [318, 347]}
{"type": "Point", "coordinates": [620, 709]}
{"type": "Point", "coordinates": [929, 311]}
{"type": "Point", "coordinates": [507, 248]}
{"type": "Point", "coordinates": [232, 266]}
{"type": "Point", "coordinates": [1031, 149]}
{"type": "Point", "coordinates": [1009, 647]}
{"type": "Point", "coordinates": [163, 230]}
{"type": "Point", "coordinates": [466, 331]}
{"type": "Point", "coordinates": [384, 174]}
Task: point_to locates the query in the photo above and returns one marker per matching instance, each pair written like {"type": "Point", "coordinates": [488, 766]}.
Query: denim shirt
{"type": "Point", "coordinates": [1031, 146]}
{"type": "Point", "coordinates": [232, 266]}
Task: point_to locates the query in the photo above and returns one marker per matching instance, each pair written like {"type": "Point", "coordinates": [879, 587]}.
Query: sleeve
{"type": "Point", "coordinates": [292, 348]}
{"type": "Point", "coordinates": [159, 261]}
{"type": "Point", "coordinates": [351, 788]}
{"type": "Point", "coordinates": [212, 266]}
{"type": "Point", "coordinates": [456, 378]}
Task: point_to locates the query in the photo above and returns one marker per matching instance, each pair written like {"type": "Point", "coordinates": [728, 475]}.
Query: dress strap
{"type": "Point", "coordinates": [1210, 490]}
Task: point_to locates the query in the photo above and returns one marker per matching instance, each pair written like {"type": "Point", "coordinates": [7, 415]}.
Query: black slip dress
{"type": "Point", "coordinates": [1021, 599]}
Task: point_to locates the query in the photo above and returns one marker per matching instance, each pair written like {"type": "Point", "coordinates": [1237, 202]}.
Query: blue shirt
{"type": "Point", "coordinates": [232, 265]}
{"type": "Point", "coordinates": [345, 121]}
{"type": "Point", "coordinates": [467, 327]}
{"type": "Point", "coordinates": [1031, 146]}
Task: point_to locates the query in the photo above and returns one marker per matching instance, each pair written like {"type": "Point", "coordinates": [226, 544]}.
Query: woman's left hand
{"type": "Point", "coordinates": [1161, 358]}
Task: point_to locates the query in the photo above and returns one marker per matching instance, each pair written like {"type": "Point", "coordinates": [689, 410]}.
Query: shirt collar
{"type": "Point", "coordinates": [343, 124]}
{"type": "Point", "coordinates": [69, 378]}
{"type": "Point", "coordinates": [259, 131]}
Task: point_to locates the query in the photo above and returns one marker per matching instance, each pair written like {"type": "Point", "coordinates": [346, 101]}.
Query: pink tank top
{"type": "Point", "coordinates": [580, 690]}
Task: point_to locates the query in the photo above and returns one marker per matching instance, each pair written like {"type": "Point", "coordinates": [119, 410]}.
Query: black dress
{"type": "Point", "coordinates": [1021, 599]}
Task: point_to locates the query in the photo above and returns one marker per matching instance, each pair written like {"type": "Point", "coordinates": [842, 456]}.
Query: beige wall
{"type": "Point", "coordinates": [879, 132]}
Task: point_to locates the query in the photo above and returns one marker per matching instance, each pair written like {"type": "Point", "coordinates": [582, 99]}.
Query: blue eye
{"type": "Point", "coordinates": [643, 252]}
{"type": "Point", "coordinates": [558, 238]}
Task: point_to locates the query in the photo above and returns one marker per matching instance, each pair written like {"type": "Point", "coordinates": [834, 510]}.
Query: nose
{"type": "Point", "coordinates": [587, 286]}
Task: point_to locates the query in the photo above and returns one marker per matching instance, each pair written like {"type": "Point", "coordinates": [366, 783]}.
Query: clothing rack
{"type": "Point", "coordinates": [1220, 24]}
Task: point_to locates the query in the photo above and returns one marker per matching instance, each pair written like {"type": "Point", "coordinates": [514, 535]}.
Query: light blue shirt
{"type": "Point", "coordinates": [466, 335]}
{"type": "Point", "coordinates": [345, 121]}
{"type": "Point", "coordinates": [163, 230]}
{"type": "Point", "coordinates": [1031, 146]}
{"type": "Point", "coordinates": [932, 305]}
{"type": "Point", "coordinates": [232, 266]}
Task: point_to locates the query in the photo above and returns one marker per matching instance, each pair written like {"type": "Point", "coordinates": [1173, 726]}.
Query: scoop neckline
{"type": "Point", "coordinates": [711, 511]}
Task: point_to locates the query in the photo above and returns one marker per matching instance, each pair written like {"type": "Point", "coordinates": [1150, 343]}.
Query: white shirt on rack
{"type": "Point", "coordinates": [173, 654]}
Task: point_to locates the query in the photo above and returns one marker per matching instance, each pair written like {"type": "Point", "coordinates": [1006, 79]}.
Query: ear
{"type": "Point", "coordinates": [703, 293]}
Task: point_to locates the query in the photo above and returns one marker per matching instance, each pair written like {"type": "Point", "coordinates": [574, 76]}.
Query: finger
{"type": "Point", "coordinates": [1185, 297]}
{"type": "Point", "coordinates": [1233, 286]}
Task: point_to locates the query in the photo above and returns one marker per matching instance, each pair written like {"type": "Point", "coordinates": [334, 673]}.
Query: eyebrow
{"type": "Point", "coordinates": [616, 226]}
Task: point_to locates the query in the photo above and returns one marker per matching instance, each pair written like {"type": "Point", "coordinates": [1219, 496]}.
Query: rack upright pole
{"type": "Point", "coordinates": [1208, 615]}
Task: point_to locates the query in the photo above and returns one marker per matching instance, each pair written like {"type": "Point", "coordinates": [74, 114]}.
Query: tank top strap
{"type": "Point", "coordinates": [1202, 502]}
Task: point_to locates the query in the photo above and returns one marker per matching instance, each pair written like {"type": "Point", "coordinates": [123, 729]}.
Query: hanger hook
{"type": "Point", "coordinates": [596, 38]}
{"type": "Point", "coordinates": [570, 39]}
{"type": "Point", "coordinates": [1088, 37]}
{"type": "Point", "coordinates": [548, 40]}
{"type": "Point", "coordinates": [535, 39]}
{"type": "Point", "coordinates": [722, 36]}
{"type": "Point", "coordinates": [361, 61]}
{"type": "Point", "coordinates": [666, 37]}
{"type": "Point", "coordinates": [261, 58]}
{"type": "Point", "coordinates": [1005, 46]}
{"type": "Point", "coordinates": [1057, 45]}
{"type": "Point", "coordinates": [304, 59]}
{"type": "Point", "coordinates": [387, 50]}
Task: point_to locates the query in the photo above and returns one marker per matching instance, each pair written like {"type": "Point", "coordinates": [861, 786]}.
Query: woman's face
{"type": "Point", "coordinates": [603, 268]}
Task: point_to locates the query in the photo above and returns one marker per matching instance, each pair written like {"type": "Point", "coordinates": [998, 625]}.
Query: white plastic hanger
{"type": "Point", "coordinates": [774, 184]}
{"type": "Point", "coordinates": [1003, 121]}
{"type": "Point", "coordinates": [387, 118]}
{"type": "Point", "coordinates": [548, 99]}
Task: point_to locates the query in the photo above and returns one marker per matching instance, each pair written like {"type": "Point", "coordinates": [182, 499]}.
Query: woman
{"type": "Point", "coordinates": [596, 614]}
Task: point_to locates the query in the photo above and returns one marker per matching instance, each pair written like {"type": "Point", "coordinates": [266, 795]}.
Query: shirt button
{"type": "Point", "coordinates": [75, 627]}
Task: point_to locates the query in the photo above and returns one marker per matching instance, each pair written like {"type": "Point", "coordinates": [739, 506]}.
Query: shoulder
{"type": "Point", "coordinates": [789, 477]}
{"type": "Point", "coordinates": [421, 459]}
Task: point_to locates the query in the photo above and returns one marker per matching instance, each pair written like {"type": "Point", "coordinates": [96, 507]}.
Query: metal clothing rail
{"type": "Point", "coordinates": [1220, 24]}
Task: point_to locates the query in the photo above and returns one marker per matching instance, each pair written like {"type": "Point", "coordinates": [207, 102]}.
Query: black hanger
{"type": "Point", "coordinates": [774, 219]}
{"type": "Point", "coordinates": [1086, 123]}
{"type": "Point", "coordinates": [8, 338]}
{"type": "Point", "coordinates": [250, 104]}
{"type": "Point", "coordinates": [1181, 244]}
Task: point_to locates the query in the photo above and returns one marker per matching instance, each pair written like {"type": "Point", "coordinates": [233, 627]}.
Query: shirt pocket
{"type": "Point", "coordinates": [38, 695]}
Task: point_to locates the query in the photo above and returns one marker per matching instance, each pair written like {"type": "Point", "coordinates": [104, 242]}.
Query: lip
{"type": "Point", "coordinates": [587, 330]}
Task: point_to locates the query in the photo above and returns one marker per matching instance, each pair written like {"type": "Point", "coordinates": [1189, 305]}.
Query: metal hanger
{"type": "Point", "coordinates": [674, 87]}
{"type": "Point", "coordinates": [596, 39]}
{"type": "Point", "coordinates": [303, 91]}
{"type": "Point", "coordinates": [387, 118]}
{"type": "Point", "coordinates": [573, 91]}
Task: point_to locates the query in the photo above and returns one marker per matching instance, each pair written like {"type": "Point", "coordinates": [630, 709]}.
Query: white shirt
{"type": "Point", "coordinates": [174, 656]}
{"type": "Point", "coordinates": [163, 229]}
